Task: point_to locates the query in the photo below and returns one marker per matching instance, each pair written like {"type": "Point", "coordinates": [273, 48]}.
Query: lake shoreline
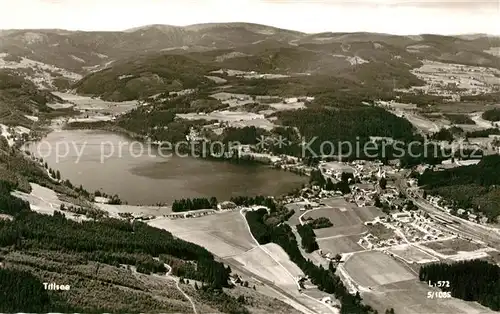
{"type": "Point", "coordinates": [136, 178]}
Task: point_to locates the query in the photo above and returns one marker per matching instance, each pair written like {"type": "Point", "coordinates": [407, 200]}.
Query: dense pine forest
{"type": "Point", "coordinates": [468, 187]}
{"type": "Point", "coordinates": [469, 280]}
{"type": "Point", "coordinates": [325, 279]}
{"type": "Point", "coordinates": [329, 124]}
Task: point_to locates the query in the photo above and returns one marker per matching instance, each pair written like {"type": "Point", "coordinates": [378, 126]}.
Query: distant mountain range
{"type": "Point", "coordinates": [57, 59]}
{"type": "Point", "coordinates": [79, 51]}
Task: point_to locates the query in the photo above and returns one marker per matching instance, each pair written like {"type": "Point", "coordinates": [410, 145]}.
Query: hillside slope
{"type": "Point", "coordinates": [83, 52]}
{"type": "Point", "coordinates": [143, 77]}
{"type": "Point", "coordinates": [19, 97]}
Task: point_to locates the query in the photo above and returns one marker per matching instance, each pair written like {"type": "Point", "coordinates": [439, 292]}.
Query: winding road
{"type": "Point", "coordinates": [168, 274]}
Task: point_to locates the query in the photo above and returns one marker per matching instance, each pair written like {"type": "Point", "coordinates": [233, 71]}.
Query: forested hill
{"type": "Point", "coordinates": [473, 186]}
{"type": "Point", "coordinates": [347, 124]}
{"type": "Point", "coordinates": [145, 76]}
{"type": "Point", "coordinates": [109, 241]}
{"type": "Point", "coordinates": [324, 128]}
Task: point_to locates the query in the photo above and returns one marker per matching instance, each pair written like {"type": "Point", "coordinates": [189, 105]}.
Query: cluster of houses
{"type": "Point", "coordinates": [224, 206]}
{"type": "Point", "coordinates": [439, 202]}
{"type": "Point", "coordinates": [407, 226]}
{"type": "Point", "coordinates": [221, 207]}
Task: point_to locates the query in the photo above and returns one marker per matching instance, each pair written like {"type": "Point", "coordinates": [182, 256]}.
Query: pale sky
{"type": "Point", "coordinates": [383, 16]}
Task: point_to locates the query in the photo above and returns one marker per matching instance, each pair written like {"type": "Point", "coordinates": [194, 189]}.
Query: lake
{"type": "Point", "coordinates": [107, 161]}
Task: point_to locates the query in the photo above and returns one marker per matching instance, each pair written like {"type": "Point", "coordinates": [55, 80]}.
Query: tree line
{"type": "Point", "coordinates": [255, 200]}
{"type": "Point", "coordinates": [188, 204]}
{"type": "Point", "coordinates": [483, 133]}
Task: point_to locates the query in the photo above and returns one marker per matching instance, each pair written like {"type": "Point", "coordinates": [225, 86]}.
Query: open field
{"type": "Point", "coordinates": [224, 234]}
{"type": "Point", "coordinates": [410, 297]}
{"type": "Point", "coordinates": [347, 218]}
{"type": "Point", "coordinates": [470, 80]}
{"type": "Point", "coordinates": [294, 220]}
{"type": "Point", "coordinates": [478, 119]}
{"type": "Point", "coordinates": [494, 257]}
{"type": "Point", "coordinates": [334, 232]}
{"type": "Point", "coordinates": [259, 263]}
{"type": "Point", "coordinates": [339, 202]}
{"type": "Point", "coordinates": [262, 301]}
{"type": "Point", "coordinates": [233, 100]}
{"type": "Point", "coordinates": [461, 107]}
{"type": "Point", "coordinates": [234, 118]}
{"type": "Point", "coordinates": [422, 123]}
{"type": "Point", "coordinates": [374, 268]}
{"type": "Point", "coordinates": [280, 255]}
{"type": "Point", "coordinates": [216, 79]}
{"type": "Point", "coordinates": [368, 213]}
{"type": "Point", "coordinates": [337, 166]}
{"type": "Point", "coordinates": [338, 217]}
{"type": "Point", "coordinates": [495, 51]}
{"type": "Point", "coordinates": [45, 201]}
{"type": "Point", "coordinates": [114, 210]}
{"type": "Point", "coordinates": [96, 104]}
{"type": "Point", "coordinates": [341, 244]}
{"type": "Point", "coordinates": [412, 254]}
{"type": "Point", "coordinates": [288, 106]}
{"type": "Point", "coordinates": [452, 247]}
